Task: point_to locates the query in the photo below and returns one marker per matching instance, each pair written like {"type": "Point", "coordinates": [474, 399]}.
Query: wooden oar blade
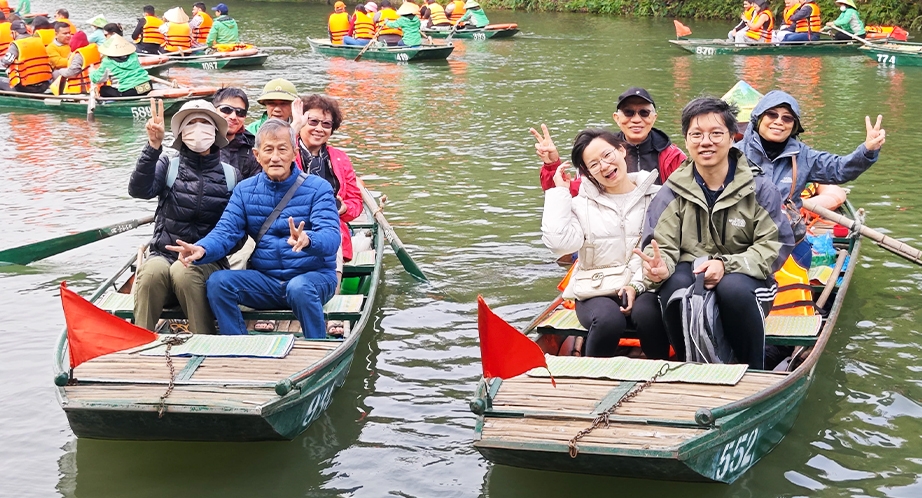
{"type": "Point", "coordinates": [408, 264]}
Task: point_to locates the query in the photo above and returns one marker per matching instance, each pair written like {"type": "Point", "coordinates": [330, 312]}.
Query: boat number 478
{"type": "Point", "coordinates": [737, 455]}
{"type": "Point", "coordinates": [886, 59]}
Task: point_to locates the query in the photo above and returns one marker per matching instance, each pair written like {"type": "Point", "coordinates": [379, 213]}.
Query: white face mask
{"type": "Point", "coordinates": [842, 8]}
{"type": "Point", "coordinates": [198, 137]}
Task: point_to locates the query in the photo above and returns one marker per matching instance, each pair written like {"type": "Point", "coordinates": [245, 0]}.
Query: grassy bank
{"type": "Point", "coordinates": [903, 12]}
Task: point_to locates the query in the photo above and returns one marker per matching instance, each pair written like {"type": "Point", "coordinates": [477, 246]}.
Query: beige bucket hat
{"type": "Point", "coordinates": [176, 15]}
{"type": "Point", "coordinates": [116, 46]}
{"type": "Point", "coordinates": [198, 109]}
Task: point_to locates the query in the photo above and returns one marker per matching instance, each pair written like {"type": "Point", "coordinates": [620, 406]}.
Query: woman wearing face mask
{"type": "Point", "coordinates": [604, 223]}
{"type": "Point", "coordinates": [849, 21]}
{"type": "Point", "coordinates": [192, 191]}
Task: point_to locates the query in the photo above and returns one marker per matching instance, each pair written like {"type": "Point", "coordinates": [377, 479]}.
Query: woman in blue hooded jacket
{"type": "Point", "coordinates": [770, 142]}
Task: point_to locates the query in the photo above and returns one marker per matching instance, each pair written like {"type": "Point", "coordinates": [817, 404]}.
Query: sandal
{"type": "Point", "coordinates": [332, 325]}
{"type": "Point", "coordinates": [264, 326]}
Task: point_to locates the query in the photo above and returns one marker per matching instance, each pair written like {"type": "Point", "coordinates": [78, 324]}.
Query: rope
{"type": "Point", "coordinates": [170, 341]}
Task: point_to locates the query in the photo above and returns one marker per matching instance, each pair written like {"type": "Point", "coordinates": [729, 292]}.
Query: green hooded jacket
{"type": "Point", "coordinates": [746, 228]}
{"type": "Point", "coordinates": [224, 30]}
{"type": "Point", "coordinates": [125, 75]}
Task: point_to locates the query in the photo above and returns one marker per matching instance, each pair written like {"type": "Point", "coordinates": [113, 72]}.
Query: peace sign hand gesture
{"type": "Point", "coordinates": [155, 125]}
{"type": "Point", "coordinates": [545, 147]}
{"type": "Point", "coordinates": [876, 135]}
{"type": "Point", "coordinates": [298, 239]}
{"type": "Point", "coordinates": [654, 268]}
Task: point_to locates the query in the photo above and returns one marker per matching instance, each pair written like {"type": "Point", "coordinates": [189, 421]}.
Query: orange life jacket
{"type": "Point", "coordinates": [81, 82]}
{"type": "Point", "coordinates": [73, 29]}
{"type": "Point", "coordinates": [764, 32]}
{"type": "Point", "coordinates": [389, 14]}
{"type": "Point", "coordinates": [339, 27]}
{"type": "Point", "coordinates": [200, 34]}
{"type": "Point", "coordinates": [749, 14]}
{"type": "Point", "coordinates": [794, 296]}
{"type": "Point", "coordinates": [46, 35]}
{"type": "Point", "coordinates": [458, 12]}
{"type": "Point", "coordinates": [437, 14]}
{"type": "Point", "coordinates": [32, 66]}
{"type": "Point", "coordinates": [178, 37]}
{"type": "Point", "coordinates": [364, 26]}
{"type": "Point", "coordinates": [6, 37]}
{"type": "Point", "coordinates": [150, 33]}
{"type": "Point", "coordinates": [811, 24]}
{"type": "Point", "coordinates": [5, 8]}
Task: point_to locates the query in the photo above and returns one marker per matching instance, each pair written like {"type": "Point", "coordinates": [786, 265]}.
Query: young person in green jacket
{"type": "Point", "coordinates": [715, 217]}
{"type": "Point", "coordinates": [476, 14]}
{"type": "Point", "coordinates": [122, 69]}
{"type": "Point", "coordinates": [224, 30]}
{"type": "Point", "coordinates": [408, 22]}
{"type": "Point", "coordinates": [849, 20]}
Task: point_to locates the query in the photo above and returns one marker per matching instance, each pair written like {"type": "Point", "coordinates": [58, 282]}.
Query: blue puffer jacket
{"type": "Point", "coordinates": [812, 165]}
{"type": "Point", "coordinates": [253, 201]}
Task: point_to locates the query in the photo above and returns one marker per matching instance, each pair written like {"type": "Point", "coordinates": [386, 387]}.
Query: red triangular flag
{"type": "Point", "coordinates": [504, 351]}
{"type": "Point", "coordinates": [92, 332]}
{"type": "Point", "coordinates": [681, 30]}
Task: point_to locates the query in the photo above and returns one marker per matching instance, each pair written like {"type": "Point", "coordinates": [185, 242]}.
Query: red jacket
{"type": "Point", "coordinates": [670, 159]}
{"type": "Point", "coordinates": [348, 191]}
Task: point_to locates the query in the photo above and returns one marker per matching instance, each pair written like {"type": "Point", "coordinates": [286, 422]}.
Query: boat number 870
{"type": "Point", "coordinates": [886, 59]}
{"type": "Point", "coordinates": [141, 113]}
{"type": "Point", "coordinates": [737, 455]}
{"type": "Point", "coordinates": [705, 50]}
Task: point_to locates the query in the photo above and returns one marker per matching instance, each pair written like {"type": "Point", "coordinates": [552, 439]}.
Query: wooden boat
{"type": "Point", "coordinates": [156, 65]}
{"type": "Point", "coordinates": [28, 18]}
{"type": "Point", "coordinates": [117, 396]}
{"type": "Point", "coordinates": [383, 53]}
{"type": "Point", "coordinates": [895, 53]}
{"type": "Point", "coordinates": [686, 428]}
{"type": "Point", "coordinates": [137, 108]}
{"type": "Point", "coordinates": [700, 46]}
{"type": "Point", "coordinates": [893, 33]}
{"type": "Point", "coordinates": [222, 60]}
{"type": "Point", "coordinates": [489, 32]}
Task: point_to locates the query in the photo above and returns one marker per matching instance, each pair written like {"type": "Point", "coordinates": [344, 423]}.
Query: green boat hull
{"type": "Point", "coordinates": [218, 63]}
{"type": "Point", "coordinates": [722, 47]}
{"type": "Point", "coordinates": [895, 54]}
{"type": "Point", "coordinates": [137, 109]}
{"type": "Point", "coordinates": [473, 34]}
{"type": "Point", "coordinates": [384, 54]}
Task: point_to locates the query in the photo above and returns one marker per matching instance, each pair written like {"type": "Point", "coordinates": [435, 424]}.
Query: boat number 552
{"type": "Point", "coordinates": [886, 59]}
{"type": "Point", "coordinates": [737, 454]}
{"type": "Point", "coordinates": [140, 113]}
{"type": "Point", "coordinates": [317, 406]}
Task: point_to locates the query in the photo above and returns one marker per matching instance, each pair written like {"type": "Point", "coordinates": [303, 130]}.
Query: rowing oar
{"type": "Point", "coordinates": [276, 49]}
{"type": "Point", "coordinates": [862, 40]}
{"type": "Point", "coordinates": [888, 243]}
{"type": "Point", "coordinates": [554, 304]}
{"type": "Point", "coordinates": [35, 251]}
{"type": "Point", "coordinates": [171, 84]}
{"type": "Point", "coordinates": [451, 33]}
{"type": "Point", "coordinates": [91, 105]}
{"type": "Point", "coordinates": [408, 264]}
{"type": "Point", "coordinates": [371, 42]}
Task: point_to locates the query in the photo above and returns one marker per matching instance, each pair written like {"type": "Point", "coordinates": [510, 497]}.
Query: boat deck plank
{"type": "Point", "coordinates": [182, 395]}
{"type": "Point", "coordinates": [632, 436]}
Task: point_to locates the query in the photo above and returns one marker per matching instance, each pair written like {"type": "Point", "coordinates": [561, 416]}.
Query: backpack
{"type": "Point", "coordinates": [703, 330]}
{"type": "Point", "coordinates": [230, 176]}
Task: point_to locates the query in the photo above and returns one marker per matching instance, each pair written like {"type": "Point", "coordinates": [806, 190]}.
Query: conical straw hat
{"type": "Point", "coordinates": [116, 46]}
{"type": "Point", "coordinates": [408, 8]}
{"type": "Point", "coordinates": [176, 15]}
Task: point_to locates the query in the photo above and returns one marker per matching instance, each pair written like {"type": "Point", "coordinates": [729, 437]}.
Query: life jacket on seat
{"type": "Point", "coordinates": [364, 27]}
{"type": "Point", "coordinates": [178, 37]}
{"type": "Point", "coordinates": [794, 296]}
{"type": "Point", "coordinates": [81, 83]}
{"type": "Point", "coordinates": [32, 66]}
{"type": "Point", "coordinates": [458, 12]}
{"type": "Point", "coordinates": [763, 33]}
{"type": "Point", "coordinates": [389, 14]}
{"type": "Point", "coordinates": [339, 27]}
{"type": "Point", "coordinates": [200, 34]}
{"type": "Point", "coordinates": [151, 33]}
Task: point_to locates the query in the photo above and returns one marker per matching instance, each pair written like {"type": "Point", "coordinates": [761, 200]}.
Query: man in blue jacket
{"type": "Point", "coordinates": [294, 264]}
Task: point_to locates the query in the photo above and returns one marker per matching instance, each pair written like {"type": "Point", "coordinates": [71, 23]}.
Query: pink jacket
{"type": "Point", "coordinates": [348, 191]}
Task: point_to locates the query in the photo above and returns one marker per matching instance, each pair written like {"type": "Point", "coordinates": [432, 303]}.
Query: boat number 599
{"type": "Point", "coordinates": [886, 59]}
{"type": "Point", "coordinates": [737, 454]}
{"type": "Point", "coordinates": [140, 113]}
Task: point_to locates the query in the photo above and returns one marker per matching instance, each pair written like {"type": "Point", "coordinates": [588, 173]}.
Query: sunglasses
{"type": "Point", "coordinates": [228, 109]}
{"type": "Point", "coordinates": [773, 116]}
{"type": "Point", "coordinates": [312, 122]}
{"type": "Point", "coordinates": [644, 113]}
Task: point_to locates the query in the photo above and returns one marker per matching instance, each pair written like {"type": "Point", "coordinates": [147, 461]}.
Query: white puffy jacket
{"type": "Point", "coordinates": [615, 233]}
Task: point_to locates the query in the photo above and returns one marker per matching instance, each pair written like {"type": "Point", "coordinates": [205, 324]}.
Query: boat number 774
{"type": "Point", "coordinates": [886, 59]}
{"type": "Point", "coordinates": [737, 455]}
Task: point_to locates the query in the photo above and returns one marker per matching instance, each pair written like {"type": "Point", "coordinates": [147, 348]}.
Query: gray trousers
{"type": "Point", "coordinates": [161, 284]}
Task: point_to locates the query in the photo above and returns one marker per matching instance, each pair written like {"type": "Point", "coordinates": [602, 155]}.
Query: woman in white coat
{"type": "Point", "coordinates": [604, 224]}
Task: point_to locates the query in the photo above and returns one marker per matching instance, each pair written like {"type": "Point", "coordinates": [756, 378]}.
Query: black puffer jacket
{"type": "Point", "coordinates": [239, 154]}
{"type": "Point", "coordinates": [192, 207]}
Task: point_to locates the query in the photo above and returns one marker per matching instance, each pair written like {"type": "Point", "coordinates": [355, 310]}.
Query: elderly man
{"type": "Point", "coordinates": [648, 149]}
{"type": "Point", "coordinates": [293, 218]}
{"type": "Point", "coordinates": [277, 96]}
{"type": "Point", "coordinates": [715, 219]}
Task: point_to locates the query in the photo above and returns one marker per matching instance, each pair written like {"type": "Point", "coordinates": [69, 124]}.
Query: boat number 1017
{"type": "Point", "coordinates": [886, 59]}
{"type": "Point", "coordinates": [737, 455]}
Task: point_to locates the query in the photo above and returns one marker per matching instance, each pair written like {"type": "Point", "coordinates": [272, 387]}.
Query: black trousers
{"type": "Point", "coordinates": [111, 91]}
{"type": "Point", "coordinates": [743, 302]}
{"type": "Point", "coordinates": [603, 318]}
{"type": "Point", "coordinates": [842, 36]}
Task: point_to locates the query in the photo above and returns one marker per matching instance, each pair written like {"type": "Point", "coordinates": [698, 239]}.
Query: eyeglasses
{"type": "Point", "coordinates": [644, 113]}
{"type": "Point", "coordinates": [609, 157]}
{"type": "Point", "coordinates": [313, 122]}
{"type": "Point", "coordinates": [774, 115]}
{"type": "Point", "coordinates": [229, 109]}
{"type": "Point", "coordinates": [716, 137]}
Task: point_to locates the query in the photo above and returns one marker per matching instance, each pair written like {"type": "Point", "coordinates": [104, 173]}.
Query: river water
{"type": "Point", "coordinates": [449, 145]}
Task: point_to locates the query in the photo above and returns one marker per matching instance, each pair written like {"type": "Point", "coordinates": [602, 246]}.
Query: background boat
{"type": "Point", "coordinates": [383, 54]}
{"type": "Point", "coordinates": [489, 32]}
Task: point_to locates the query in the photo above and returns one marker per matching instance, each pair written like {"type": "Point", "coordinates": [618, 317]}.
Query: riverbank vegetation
{"type": "Point", "coordinates": [905, 13]}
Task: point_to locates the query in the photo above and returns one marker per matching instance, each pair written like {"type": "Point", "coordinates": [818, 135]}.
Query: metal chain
{"type": "Point", "coordinates": [602, 418]}
{"type": "Point", "coordinates": [174, 340]}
